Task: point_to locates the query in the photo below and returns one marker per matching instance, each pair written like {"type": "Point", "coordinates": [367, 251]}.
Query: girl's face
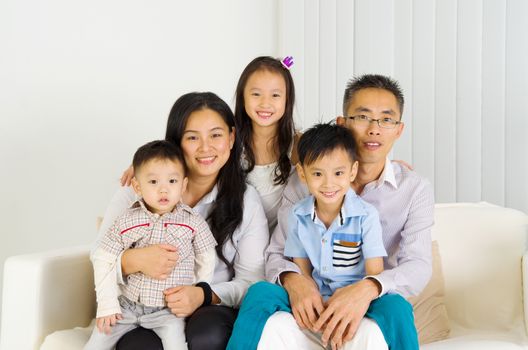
{"type": "Point", "coordinates": [265, 98]}
{"type": "Point", "coordinates": [206, 143]}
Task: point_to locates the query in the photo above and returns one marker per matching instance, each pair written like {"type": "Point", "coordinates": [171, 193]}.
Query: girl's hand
{"type": "Point", "coordinates": [404, 163]}
{"type": "Point", "coordinates": [105, 324]}
{"type": "Point", "coordinates": [155, 261]}
{"type": "Point", "coordinates": [184, 300]}
{"type": "Point", "coordinates": [127, 176]}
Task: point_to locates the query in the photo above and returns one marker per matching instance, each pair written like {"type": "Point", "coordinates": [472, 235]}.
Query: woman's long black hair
{"type": "Point", "coordinates": [228, 207]}
{"type": "Point", "coordinates": [285, 130]}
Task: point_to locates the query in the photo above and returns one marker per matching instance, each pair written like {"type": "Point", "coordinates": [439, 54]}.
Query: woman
{"type": "Point", "coordinates": [203, 125]}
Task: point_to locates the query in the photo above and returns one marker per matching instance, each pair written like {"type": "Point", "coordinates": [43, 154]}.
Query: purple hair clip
{"type": "Point", "coordinates": [287, 62]}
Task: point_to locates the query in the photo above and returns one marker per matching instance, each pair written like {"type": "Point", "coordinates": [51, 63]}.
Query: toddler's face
{"type": "Point", "coordinates": [329, 177]}
{"type": "Point", "coordinates": [265, 98]}
{"type": "Point", "coordinates": [161, 183]}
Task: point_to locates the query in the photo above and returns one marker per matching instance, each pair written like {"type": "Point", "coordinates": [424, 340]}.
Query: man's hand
{"type": "Point", "coordinates": [184, 300]}
{"type": "Point", "coordinates": [155, 261]}
{"type": "Point", "coordinates": [305, 300]}
{"type": "Point", "coordinates": [105, 323]}
{"type": "Point", "coordinates": [344, 311]}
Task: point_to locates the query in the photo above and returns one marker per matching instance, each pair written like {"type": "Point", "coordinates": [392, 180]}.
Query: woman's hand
{"type": "Point", "coordinates": [127, 176]}
{"type": "Point", "coordinates": [184, 300]}
{"type": "Point", "coordinates": [155, 261]}
{"type": "Point", "coordinates": [105, 324]}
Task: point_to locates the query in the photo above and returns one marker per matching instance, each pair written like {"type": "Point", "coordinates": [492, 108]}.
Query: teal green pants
{"type": "Point", "coordinates": [393, 314]}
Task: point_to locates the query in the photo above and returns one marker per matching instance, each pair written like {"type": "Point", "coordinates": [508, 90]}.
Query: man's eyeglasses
{"type": "Point", "coordinates": [363, 120]}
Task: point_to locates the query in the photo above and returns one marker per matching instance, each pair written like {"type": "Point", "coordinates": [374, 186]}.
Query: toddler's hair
{"type": "Point", "coordinates": [159, 149]}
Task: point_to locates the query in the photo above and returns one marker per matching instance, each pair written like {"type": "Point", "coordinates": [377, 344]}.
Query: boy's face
{"type": "Point", "coordinates": [329, 177]}
{"type": "Point", "coordinates": [161, 183]}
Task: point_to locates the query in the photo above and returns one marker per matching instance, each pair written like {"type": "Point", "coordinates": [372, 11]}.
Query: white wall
{"type": "Point", "coordinates": [462, 65]}
{"type": "Point", "coordinates": [84, 83]}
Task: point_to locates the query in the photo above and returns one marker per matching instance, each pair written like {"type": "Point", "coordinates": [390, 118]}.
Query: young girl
{"type": "Point", "coordinates": [265, 96]}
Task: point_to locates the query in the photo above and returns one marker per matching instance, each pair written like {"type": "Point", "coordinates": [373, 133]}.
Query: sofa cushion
{"type": "Point", "coordinates": [481, 246]}
{"type": "Point", "coordinates": [68, 339]}
{"type": "Point", "coordinates": [430, 314]}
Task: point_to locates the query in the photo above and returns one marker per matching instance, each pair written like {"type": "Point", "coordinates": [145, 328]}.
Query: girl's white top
{"type": "Point", "coordinates": [250, 239]}
{"type": "Point", "coordinates": [261, 177]}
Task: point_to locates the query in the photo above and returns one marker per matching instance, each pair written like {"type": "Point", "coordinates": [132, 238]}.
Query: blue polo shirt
{"type": "Point", "coordinates": [338, 253]}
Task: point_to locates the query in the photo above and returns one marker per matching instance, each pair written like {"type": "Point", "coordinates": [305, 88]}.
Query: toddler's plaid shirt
{"type": "Point", "coordinates": [138, 228]}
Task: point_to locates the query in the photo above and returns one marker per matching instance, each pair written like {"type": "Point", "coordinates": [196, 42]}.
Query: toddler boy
{"type": "Point", "coordinates": [158, 217]}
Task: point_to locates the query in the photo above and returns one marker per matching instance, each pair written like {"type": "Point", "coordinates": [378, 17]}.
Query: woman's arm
{"type": "Point", "coordinates": [251, 239]}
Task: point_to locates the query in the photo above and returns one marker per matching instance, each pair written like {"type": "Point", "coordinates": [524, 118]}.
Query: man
{"type": "Point", "coordinates": [372, 107]}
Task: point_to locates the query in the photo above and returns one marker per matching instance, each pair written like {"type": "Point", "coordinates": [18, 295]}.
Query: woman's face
{"type": "Point", "coordinates": [206, 143]}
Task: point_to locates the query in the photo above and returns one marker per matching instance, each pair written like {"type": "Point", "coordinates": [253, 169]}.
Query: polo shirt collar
{"type": "Point", "coordinates": [351, 207]}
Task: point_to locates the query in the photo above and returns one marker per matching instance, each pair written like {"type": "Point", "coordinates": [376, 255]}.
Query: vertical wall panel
{"type": "Point", "coordinates": [403, 72]}
{"type": "Point", "coordinates": [445, 101]}
{"type": "Point", "coordinates": [373, 36]}
{"type": "Point", "coordinates": [363, 36]}
{"type": "Point", "coordinates": [469, 100]}
{"type": "Point", "coordinates": [423, 87]}
{"type": "Point", "coordinates": [312, 67]}
{"type": "Point", "coordinates": [493, 100]}
{"type": "Point", "coordinates": [290, 42]}
{"type": "Point", "coordinates": [327, 60]}
{"type": "Point", "coordinates": [516, 97]}
{"type": "Point", "coordinates": [344, 49]}
{"type": "Point", "coordinates": [462, 65]}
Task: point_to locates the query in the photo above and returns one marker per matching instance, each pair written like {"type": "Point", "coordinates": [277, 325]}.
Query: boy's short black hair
{"type": "Point", "coordinates": [159, 149]}
{"type": "Point", "coordinates": [322, 139]}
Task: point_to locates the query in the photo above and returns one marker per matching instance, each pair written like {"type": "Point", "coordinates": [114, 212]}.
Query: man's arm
{"type": "Point", "coordinates": [413, 260]}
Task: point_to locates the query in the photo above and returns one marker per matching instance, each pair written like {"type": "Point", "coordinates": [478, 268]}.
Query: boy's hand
{"type": "Point", "coordinates": [344, 311]}
{"type": "Point", "coordinates": [305, 300]}
{"type": "Point", "coordinates": [127, 176]}
{"type": "Point", "coordinates": [105, 324]}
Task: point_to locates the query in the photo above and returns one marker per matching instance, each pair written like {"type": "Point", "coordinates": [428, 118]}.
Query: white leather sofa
{"type": "Point", "coordinates": [482, 247]}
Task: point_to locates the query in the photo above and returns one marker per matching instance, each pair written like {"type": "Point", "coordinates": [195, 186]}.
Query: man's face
{"type": "Point", "coordinates": [374, 143]}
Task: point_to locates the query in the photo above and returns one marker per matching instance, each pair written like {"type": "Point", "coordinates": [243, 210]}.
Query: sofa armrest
{"type": "Point", "coordinates": [45, 292]}
{"type": "Point", "coordinates": [525, 289]}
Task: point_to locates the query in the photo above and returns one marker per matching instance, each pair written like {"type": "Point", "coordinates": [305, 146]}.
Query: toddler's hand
{"type": "Point", "coordinates": [105, 324]}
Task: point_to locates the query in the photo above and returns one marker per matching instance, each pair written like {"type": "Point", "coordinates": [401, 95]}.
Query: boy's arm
{"type": "Point", "coordinates": [204, 250]}
{"type": "Point", "coordinates": [105, 264]}
{"type": "Point", "coordinates": [373, 266]}
{"type": "Point", "coordinates": [105, 279]}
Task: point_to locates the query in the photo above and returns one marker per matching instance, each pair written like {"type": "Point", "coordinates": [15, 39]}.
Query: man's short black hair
{"type": "Point", "coordinates": [374, 81]}
{"type": "Point", "coordinates": [321, 139]}
{"type": "Point", "coordinates": [159, 149]}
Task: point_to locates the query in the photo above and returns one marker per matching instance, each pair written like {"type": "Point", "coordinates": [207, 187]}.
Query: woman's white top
{"type": "Point", "coordinates": [250, 239]}
{"type": "Point", "coordinates": [261, 177]}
